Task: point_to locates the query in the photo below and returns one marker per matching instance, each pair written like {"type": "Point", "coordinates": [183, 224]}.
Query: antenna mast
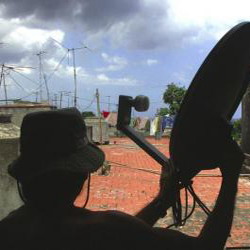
{"type": "Point", "coordinates": [2, 80]}
{"type": "Point", "coordinates": [74, 66]}
{"type": "Point", "coordinates": [75, 83]}
{"type": "Point", "coordinates": [47, 88]}
{"type": "Point", "coordinates": [74, 71]}
{"type": "Point", "coordinates": [40, 73]}
{"type": "Point", "coordinates": [5, 71]}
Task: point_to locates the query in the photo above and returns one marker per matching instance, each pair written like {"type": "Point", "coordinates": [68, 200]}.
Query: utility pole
{"type": "Point", "coordinates": [99, 115]}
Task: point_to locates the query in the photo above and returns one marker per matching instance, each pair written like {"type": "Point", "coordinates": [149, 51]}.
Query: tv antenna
{"type": "Point", "coordinates": [72, 50]}
{"type": "Point", "coordinates": [5, 70]}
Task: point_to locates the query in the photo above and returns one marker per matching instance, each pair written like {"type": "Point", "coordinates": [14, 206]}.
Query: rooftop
{"type": "Point", "coordinates": [133, 182]}
{"type": "Point", "coordinates": [9, 130]}
{"type": "Point", "coordinates": [28, 105]}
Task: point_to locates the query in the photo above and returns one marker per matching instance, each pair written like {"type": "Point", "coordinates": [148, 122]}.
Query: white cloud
{"type": "Point", "coordinates": [151, 62]}
{"type": "Point", "coordinates": [66, 72]}
{"type": "Point", "coordinates": [115, 63]}
{"type": "Point", "coordinates": [102, 79]}
{"type": "Point", "coordinates": [21, 43]}
{"type": "Point", "coordinates": [26, 71]}
{"type": "Point", "coordinates": [26, 37]}
{"type": "Point", "coordinates": [62, 70]}
{"type": "Point", "coordinates": [180, 77]}
{"type": "Point", "coordinates": [113, 59]}
{"type": "Point", "coordinates": [145, 24]}
{"type": "Point", "coordinates": [173, 23]}
{"type": "Point", "coordinates": [210, 18]}
{"type": "Point", "coordinates": [110, 68]}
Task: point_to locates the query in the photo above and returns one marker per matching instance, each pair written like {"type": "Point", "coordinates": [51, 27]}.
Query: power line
{"type": "Point", "coordinates": [80, 98]}
{"type": "Point", "coordinates": [91, 103]}
{"type": "Point", "coordinates": [32, 92]}
{"type": "Point", "coordinates": [109, 103]}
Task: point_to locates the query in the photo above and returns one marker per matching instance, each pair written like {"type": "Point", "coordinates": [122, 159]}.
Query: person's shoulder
{"type": "Point", "coordinates": [13, 227]}
{"type": "Point", "coordinates": [14, 215]}
{"type": "Point", "coordinates": [108, 218]}
{"type": "Point", "coordinates": [115, 218]}
{"type": "Point", "coordinates": [113, 215]}
{"type": "Point", "coordinates": [136, 230]}
{"type": "Point", "coordinates": [118, 230]}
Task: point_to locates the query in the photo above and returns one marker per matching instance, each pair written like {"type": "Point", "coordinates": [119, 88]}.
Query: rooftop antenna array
{"type": "Point", "coordinates": [72, 50]}
{"type": "Point", "coordinates": [5, 70]}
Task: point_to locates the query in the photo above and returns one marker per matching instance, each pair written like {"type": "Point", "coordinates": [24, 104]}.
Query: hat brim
{"type": "Point", "coordinates": [86, 159]}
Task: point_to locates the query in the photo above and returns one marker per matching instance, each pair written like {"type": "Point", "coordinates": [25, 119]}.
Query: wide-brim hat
{"type": "Point", "coordinates": [55, 140]}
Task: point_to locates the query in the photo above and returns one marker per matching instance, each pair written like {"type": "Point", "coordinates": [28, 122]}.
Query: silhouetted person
{"type": "Point", "coordinates": [55, 160]}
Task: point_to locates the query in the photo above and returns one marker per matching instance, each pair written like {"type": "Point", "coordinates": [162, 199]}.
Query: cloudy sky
{"type": "Point", "coordinates": [127, 47]}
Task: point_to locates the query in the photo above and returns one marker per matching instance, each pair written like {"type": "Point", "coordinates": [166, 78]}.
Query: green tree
{"type": "Point", "coordinates": [162, 111]}
{"type": "Point", "coordinates": [173, 97]}
{"type": "Point", "coordinates": [236, 131]}
{"type": "Point", "coordinates": [88, 114]}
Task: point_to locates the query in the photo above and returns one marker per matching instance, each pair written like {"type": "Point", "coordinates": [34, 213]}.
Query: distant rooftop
{"type": "Point", "coordinates": [9, 130]}
{"type": "Point", "coordinates": [26, 104]}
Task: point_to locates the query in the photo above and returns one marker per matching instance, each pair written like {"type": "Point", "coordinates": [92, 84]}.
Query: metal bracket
{"type": "Point", "coordinates": [140, 103]}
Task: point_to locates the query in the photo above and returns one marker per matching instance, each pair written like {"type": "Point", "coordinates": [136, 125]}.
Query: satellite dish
{"type": "Point", "coordinates": [210, 101]}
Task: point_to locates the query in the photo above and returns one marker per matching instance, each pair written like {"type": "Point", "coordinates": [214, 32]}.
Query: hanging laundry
{"type": "Point", "coordinates": [152, 127]}
{"type": "Point", "coordinates": [155, 125]}
{"type": "Point", "coordinates": [141, 123]}
{"type": "Point", "coordinates": [105, 114]}
{"type": "Point", "coordinates": [167, 122]}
